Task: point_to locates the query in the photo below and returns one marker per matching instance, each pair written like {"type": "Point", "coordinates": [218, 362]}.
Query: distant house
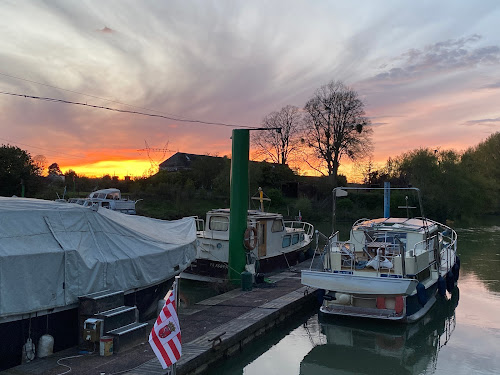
{"type": "Point", "coordinates": [181, 161]}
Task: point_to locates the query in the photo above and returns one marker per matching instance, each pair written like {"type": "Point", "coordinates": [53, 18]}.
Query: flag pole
{"type": "Point", "coordinates": [176, 286]}
{"type": "Point", "coordinates": [165, 337]}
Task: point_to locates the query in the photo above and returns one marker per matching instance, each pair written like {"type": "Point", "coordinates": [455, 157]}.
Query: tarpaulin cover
{"type": "Point", "coordinates": [51, 253]}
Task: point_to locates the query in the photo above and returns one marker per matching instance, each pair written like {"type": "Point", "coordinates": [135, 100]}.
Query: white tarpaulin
{"type": "Point", "coordinates": [51, 253]}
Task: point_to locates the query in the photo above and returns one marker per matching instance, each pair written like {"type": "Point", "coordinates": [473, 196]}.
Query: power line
{"type": "Point", "coordinates": [81, 93]}
{"type": "Point", "coordinates": [125, 111]}
{"type": "Point", "coordinates": [44, 149]}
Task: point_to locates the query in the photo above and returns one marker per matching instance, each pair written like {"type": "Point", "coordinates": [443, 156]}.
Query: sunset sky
{"type": "Point", "coordinates": [428, 73]}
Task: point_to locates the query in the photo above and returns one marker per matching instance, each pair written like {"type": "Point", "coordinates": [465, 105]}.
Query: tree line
{"type": "Point", "coordinates": [454, 185]}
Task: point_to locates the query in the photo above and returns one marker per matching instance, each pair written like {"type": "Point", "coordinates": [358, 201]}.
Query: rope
{"type": "Point", "coordinates": [69, 367]}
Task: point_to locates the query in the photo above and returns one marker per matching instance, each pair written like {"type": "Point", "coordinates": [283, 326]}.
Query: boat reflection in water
{"type": "Point", "coordinates": [380, 348]}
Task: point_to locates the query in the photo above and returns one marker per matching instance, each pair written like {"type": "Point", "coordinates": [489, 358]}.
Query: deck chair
{"type": "Point", "coordinates": [347, 256]}
{"type": "Point", "coordinates": [368, 239]}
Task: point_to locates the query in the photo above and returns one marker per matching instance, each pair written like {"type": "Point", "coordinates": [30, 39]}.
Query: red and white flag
{"type": "Point", "coordinates": [165, 337]}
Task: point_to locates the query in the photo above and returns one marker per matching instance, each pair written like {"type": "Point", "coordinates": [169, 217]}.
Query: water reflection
{"type": "Point", "coordinates": [368, 347]}
{"type": "Point", "coordinates": [340, 346]}
{"type": "Point", "coordinates": [479, 252]}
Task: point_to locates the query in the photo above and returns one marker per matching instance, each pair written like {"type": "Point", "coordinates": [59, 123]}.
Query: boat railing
{"type": "Point", "coordinates": [447, 232]}
{"type": "Point", "coordinates": [383, 258]}
{"type": "Point", "coordinates": [447, 246]}
{"type": "Point", "coordinates": [348, 258]}
{"type": "Point", "coordinates": [295, 224]}
{"type": "Point", "coordinates": [321, 253]}
{"type": "Point", "coordinates": [359, 221]}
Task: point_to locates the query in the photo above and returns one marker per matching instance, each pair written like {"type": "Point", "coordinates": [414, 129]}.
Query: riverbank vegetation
{"type": "Point", "coordinates": [454, 185]}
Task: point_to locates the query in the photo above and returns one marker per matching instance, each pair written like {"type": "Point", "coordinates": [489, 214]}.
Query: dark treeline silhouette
{"type": "Point", "coordinates": [454, 185]}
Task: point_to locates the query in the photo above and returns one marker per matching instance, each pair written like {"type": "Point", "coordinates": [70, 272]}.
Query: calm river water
{"type": "Point", "coordinates": [459, 336]}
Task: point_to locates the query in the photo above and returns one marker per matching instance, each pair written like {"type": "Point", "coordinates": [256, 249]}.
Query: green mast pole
{"type": "Point", "coordinates": [238, 203]}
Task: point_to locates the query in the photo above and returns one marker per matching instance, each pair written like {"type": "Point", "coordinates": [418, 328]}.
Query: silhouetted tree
{"type": "Point", "coordinates": [337, 126]}
{"type": "Point", "coordinates": [54, 170]}
{"type": "Point", "coordinates": [282, 139]}
{"type": "Point", "coordinates": [17, 170]}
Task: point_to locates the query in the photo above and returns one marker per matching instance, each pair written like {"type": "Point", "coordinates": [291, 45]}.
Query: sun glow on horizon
{"type": "Point", "coordinates": [119, 168]}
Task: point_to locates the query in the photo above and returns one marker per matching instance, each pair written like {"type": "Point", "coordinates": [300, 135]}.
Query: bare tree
{"type": "Point", "coordinates": [282, 139]}
{"type": "Point", "coordinates": [41, 162]}
{"type": "Point", "coordinates": [336, 126]}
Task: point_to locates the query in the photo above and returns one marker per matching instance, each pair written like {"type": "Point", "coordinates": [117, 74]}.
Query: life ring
{"type": "Point", "coordinates": [249, 241]}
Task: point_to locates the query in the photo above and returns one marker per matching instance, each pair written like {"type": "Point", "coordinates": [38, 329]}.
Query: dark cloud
{"type": "Point", "coordinates": [484, 122]}
{"type": "Point", "coordinates": [446, 56]}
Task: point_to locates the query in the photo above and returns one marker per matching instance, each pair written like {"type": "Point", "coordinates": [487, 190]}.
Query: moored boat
{"type": "Point", "coordinates": [390, 268]}
{"type": "Point", "coordinates": [111, 199]}
{"type": "Point", "coordinates": [52, 254]}
{"type": "Point", "coordinates": [275, 244]}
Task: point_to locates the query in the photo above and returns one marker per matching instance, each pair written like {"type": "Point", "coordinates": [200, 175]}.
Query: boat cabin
{"type": "Point", "coordinates": [274, 235]}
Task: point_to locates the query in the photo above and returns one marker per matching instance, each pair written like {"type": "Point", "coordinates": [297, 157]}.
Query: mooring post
{"type": "Point", "coordinates": [238, 203]}
{"type": "Point", "coordinates": [387, 199]}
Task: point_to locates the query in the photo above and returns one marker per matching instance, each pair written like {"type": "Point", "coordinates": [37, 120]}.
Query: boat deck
{"type": "Point", "coordinates": [237, 317]}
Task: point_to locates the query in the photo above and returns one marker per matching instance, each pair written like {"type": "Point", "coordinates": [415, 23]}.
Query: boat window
{"type": "Point", "coordinates": [286, 241]}
{"type": "Point", "coordinates": [277, 226]}
{"type": "Point", "coordinates": [301, 237]}
{"type": "Point", "coordinates": [109, 196]}
{"type": "Point", "coordinates": [102, 195]}
{"type": "Point", "coordinates": [295, 238]}
{"type": "Point", "coordinates": [105, 204]}
{"type": "Point", "coordinates": [219, 223]}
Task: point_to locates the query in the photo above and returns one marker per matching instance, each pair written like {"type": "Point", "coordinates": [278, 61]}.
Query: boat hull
{"type": "Point", "coordinates": [369, 297]}
{"type": "Point", "coordinates": [211, 270]}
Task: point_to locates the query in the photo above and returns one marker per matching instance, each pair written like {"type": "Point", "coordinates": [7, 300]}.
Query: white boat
{"type": "Point", "coordinates": [390, 268]}
{"type": "Point", "coordinates": [109, 198]}
{"type": "Point", "coordinates": [52, 254]}
{"type": "Point", "coordinates": [279, 244]}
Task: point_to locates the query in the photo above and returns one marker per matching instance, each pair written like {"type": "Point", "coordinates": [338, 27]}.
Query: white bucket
{"type": "Point", "coordinates": [45, 346]}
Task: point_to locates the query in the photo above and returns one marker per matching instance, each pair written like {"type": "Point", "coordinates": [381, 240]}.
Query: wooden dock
{"type": "Point", "coordinates": [212, 329]}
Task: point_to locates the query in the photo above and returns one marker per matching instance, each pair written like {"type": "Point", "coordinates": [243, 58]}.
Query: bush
{"type": "Point", "coordinates": [304, 205]}
{"type": "Point", "coordinates": [276, 197]}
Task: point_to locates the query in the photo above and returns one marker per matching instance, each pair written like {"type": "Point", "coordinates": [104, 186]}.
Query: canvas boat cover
{"type": "Point", "coordinates": [51, 253]}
